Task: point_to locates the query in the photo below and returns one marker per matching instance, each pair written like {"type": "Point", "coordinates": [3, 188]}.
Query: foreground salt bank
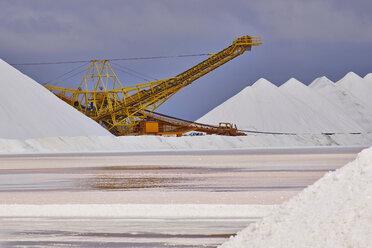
{"type": "Point", "coordinates": [336, 211]}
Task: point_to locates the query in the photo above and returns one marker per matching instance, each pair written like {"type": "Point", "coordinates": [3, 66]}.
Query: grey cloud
{"type": "Point", "coordinates": [315, 20]}
{"type": "Point", "coordinates": [96, 24]}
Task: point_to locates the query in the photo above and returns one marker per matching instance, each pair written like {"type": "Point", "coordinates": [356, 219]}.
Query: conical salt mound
{"type": "Point", "coordinates": [263, 83]}
{"type": "Point", "coordinates": [357, 86]}
{"type": "Point", "coordinates": [28, 110]}
{"type": "Point", "coordinates": [368, 78]}
{"type": "Point", "coordinates": [330, 113]}
{"type": "Point", "coordinates": [354, 108]}
{"type": "Point", "coordinates": [321, 82]}
{"type": "Point", "coordinates": [264, 107]}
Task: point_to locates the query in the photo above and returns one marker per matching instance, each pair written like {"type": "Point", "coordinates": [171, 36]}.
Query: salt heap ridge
{"type": "Point", "coordinates": [354, 108]}
{"type": "Point", "coordinates": [357, 86]}
{"type": "Point", "coordinates": [333, 115]}
{"type": "Point", "coordinates": [368, 78]}
{"type": "Point", "coordinates": [323, 107]}
{"type": "Point", "coordinates": [28, 110]}
{"type": "Point", "coordinates": [263, 107]}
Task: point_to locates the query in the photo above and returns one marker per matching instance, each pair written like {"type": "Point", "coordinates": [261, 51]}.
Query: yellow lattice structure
{"type": "Point", "coordinates": [102, 97]}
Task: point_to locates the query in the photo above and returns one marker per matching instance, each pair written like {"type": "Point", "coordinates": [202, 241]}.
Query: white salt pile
{"type": "Point", "coordinates": [336, 211]}
{"type": "Point", "coordinates": [263, 107]}
{"type": "Point", "coordinates": [323, 107]}
{"type": "Point", "coordinates": [335, 117]}
{"type": "Point", "coordinates": [357, 86]}
{"type": "Point", "coordinates": [28, 110]}
{"type": "Point", "coordinates": [368, 78]}
{"type": "Point", "coordinates": [354, 108]}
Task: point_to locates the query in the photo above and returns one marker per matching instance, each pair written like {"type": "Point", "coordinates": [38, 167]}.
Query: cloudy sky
{"type": "Point", "coordinates": [302, 39]}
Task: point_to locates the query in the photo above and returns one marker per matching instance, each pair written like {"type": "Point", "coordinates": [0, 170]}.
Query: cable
{"type": "Point", "coordinates": [283, 133]}
{"type": "Point", "coordinates": [142, 75]}
{"type": "Point", "coordinates": [75, 74]}
{"type": "Point", "coordinates": [132, 74]}
{"type": "Point", "coordinates": [112, 59]}
{"type": "Point", "coordinates": [49, 81]}
{"type": "Point", "coordinates": [70, 76]}
{"type": "Point", "coordinates": [139, 73]}
{"type": "Point", "coordinates": [263, 132]}
{"type": "Point", "coordinates": [51, 63]}
{"type": "Point", "coordinates": [163, 57]}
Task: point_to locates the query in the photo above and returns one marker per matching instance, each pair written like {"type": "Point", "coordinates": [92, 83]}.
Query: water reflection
{"type": "Point", "coordinates": [122, 182]}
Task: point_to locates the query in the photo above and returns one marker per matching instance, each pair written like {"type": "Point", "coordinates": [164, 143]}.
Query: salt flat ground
{"type": "Point", "coordinates": [150, 199]}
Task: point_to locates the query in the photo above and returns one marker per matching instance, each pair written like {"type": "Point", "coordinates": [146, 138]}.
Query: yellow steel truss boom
{"type": "Point", "coordinates": [119, 108]}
